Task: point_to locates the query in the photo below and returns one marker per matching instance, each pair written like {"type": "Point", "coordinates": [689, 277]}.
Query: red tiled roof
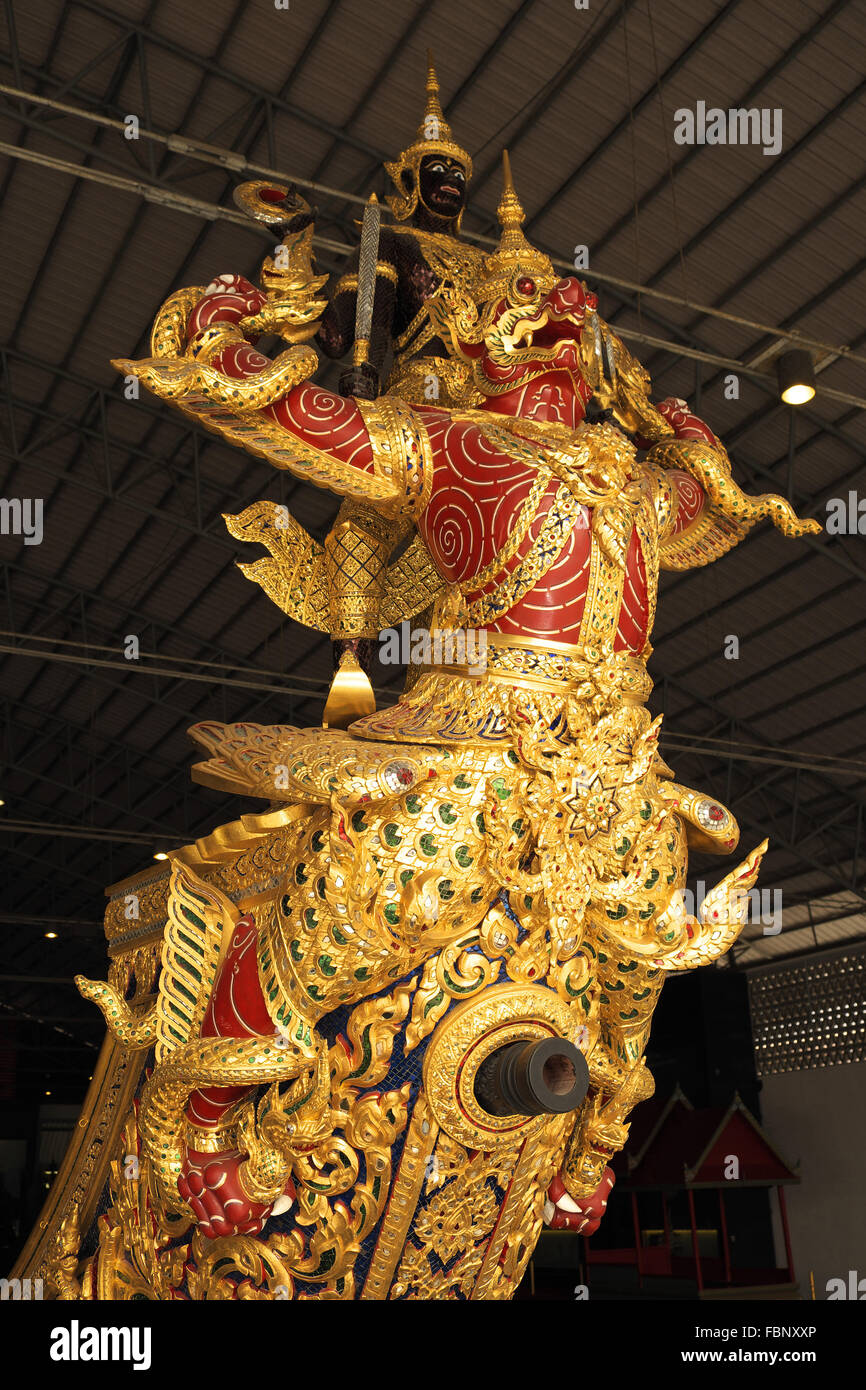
{"type": "Point", "coordinates": [693, 1147]}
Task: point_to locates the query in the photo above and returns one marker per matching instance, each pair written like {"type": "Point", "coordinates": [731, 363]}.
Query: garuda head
{"type": "Point", "coordinates": [517, 320]}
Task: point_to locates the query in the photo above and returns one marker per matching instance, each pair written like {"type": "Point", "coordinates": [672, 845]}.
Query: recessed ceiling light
{"type": "Point", "coordinates": [798, 393]}
{"type": "Point", "coordinates": [51, 935]}
{"type": "Point", "coordinates": [160, 854]}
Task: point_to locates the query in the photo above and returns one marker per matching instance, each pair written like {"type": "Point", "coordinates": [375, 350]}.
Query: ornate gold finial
{"type": "Point", "coordinates": [510, 210]}
{"type": "Point", "coordinates": [434, 136]}
{"type": "Point", "coordinates": [513, 252]}
{"type": "Point", "coordinates": [434, 117]}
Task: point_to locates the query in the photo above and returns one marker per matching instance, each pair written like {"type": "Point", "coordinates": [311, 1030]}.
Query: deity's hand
{"type": "Point", "coordinates": [562, 1212]}
{"type": "Point", "coordinates": [211, 1185]}
{"type": "Point", "coordinates": [361, 382]}
{"type": "Point", "coordinates": [301, 212]}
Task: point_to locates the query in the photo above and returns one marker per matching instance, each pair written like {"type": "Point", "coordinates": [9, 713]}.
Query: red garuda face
{"type": "Point", "coordinates": [531, 330]}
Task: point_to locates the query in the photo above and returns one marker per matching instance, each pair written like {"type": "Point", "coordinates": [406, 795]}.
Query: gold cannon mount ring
{"type": "Point", "coordinates": [467, 1037]}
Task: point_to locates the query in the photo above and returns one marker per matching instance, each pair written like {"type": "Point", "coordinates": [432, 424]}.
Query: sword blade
{"type": "Point", "coordinates": [369, 254]}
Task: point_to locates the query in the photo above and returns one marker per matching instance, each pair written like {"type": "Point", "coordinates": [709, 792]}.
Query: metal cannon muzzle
{"type": "Point", "coordinates": [546, 1077]}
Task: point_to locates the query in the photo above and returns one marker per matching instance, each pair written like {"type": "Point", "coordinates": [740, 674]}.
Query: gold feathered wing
{"type": "Point", "coordinates": [201, 920]}
{"type": "Point", "coordinates": [295, 576]}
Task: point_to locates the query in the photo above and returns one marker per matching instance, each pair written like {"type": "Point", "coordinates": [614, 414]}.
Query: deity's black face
{"type": "Point", "coordinates": [442, 185]}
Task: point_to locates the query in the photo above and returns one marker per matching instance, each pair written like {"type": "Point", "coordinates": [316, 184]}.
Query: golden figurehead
{"type": "Point", "coordinates": [397, 1019]}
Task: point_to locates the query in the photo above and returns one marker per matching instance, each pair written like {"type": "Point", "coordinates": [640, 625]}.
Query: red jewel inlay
{"type": "Point", "coordinates": [716, 813]}
{"type": "Point", "coordinates": [525, 285]}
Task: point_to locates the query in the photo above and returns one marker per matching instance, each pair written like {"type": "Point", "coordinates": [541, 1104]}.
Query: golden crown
{"type": "Point", "coordinates": [434, 136]}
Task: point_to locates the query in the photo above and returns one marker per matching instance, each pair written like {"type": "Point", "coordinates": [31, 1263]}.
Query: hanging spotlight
{"type": "Point", "coordinates": [796, 376]}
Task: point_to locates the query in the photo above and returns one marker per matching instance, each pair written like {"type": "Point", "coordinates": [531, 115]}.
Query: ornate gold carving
{"type": "Point", "coordinates": [230, 408]}
{"type": "Point", "coordinates": [357, 550]}
{"type": "Point", "coordinates": [401, 451]}
{"type": "Point", "coordinates": [520, 1219]}
{"type": "Point", "coordinates": [62, 1267]}
{"type": "Point", "coordinates": [168, 335]}
{"type": "Point", "coordinates": [432, 381]}
{"type": "Point", "coordinates": [501, 856]}
{"type": "Point", "coordinates": [406, 1190]}
{"type": "Point", "coordinates": [291, 286]}
{"type": "Point", "coordinates": [513, 255]}
{"type": "Point", "coordinates": [456, 1220]}
{"type": "Point", "coordinates": [79, 1184]}
{"type": "Point", "coordinates": [430, 1002]}
{"type": "Point", "coordinates": [295, 577]}
{"type": "Point", "coordinates": [546, 550]}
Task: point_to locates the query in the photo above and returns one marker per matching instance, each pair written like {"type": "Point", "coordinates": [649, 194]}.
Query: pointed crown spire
{"type": "Point", "coordinates": [514, 253]}
{"type": "Point", "coordinates": [510, 210]}
{"type": "Point", "coordinates": [434, 117]}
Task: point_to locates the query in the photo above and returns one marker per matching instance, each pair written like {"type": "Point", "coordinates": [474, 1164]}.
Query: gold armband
{"type": "Point", "coordinates": [212, 1139]}
{"type": "Point", "coordinates": [357, 550]}
{"type": "Point", "coordinates": [349, 283]}
{"type": "Point", "coordinates": [387, 272]}
{"type": "Point", "coordinates": [401, 452]}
